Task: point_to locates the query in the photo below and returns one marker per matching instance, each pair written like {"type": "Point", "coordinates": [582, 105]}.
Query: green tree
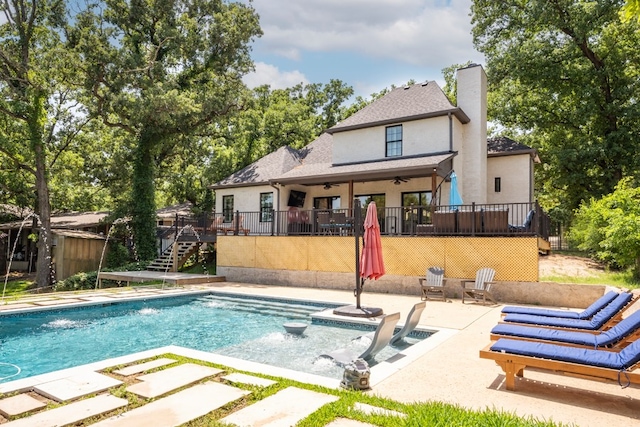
{"type": "Point", "coordinates": [609, 228]}
{"type": "Point", "coordinates": [160, 72]}
{"type": "Point", "coordinates": [563, 76]}
{"type": "Point", "coordinates": [39, 118]}
{"type": "Point", "coordinates": [631, 10]}
{"type": "Point", "coordinates": [274, 118]}
{"type": "Point", "coordinates": [450, 88]}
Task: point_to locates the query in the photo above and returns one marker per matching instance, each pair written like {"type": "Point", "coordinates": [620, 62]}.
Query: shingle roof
{"type": "Point", "coordinates": [78, 234]}
{"type": "Point", "coordinates": [264, 169]}
{"type": "Point", "coordinates": [70, 220]}
{"type": "Point", "coordinates": [318, 172]}
{"type": "Point", "coordinates": [402, 104]}
{"type": "Point", "coordinates": [503, 146]}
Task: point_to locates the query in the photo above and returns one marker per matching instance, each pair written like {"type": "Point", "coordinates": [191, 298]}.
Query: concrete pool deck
{"type": "Point", "coordinates": [451, 372]}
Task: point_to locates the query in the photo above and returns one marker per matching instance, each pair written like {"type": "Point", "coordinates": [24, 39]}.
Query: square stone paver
{"type": "Point", "coordinates": [152, 364]}
{"type": "Point", "coordinates": [178, 408]}
{"type": "Point", "coordinates": [72, 413]}
{"type": "Point", "coordinates": [19, 404]}
{"type": "Point", "coordinates": [76, 386]}
{"type": "Point", "coordinates": [162, 382]}
{"type": "Point", "coordinates": [248, 379]}
{"type": "Point", "coordinates": [283, 409]}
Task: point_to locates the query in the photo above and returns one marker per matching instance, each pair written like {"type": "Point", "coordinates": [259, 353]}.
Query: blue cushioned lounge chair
{"type": "Point", "coordinates": [381, 338]}
{"type": "Point", "coordinates": [625, 332]}
{"type": "Point", "coordinates": [514, 356]}
{"type": "Point", "coordinates": [605, 318]}
{"type": "Point", "coordinates": [588, 313]}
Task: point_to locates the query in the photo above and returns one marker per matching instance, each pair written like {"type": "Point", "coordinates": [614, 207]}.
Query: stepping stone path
{"type": "Point", "coordinates": [152, 364]}
{"type": "Point", "coordinates": [178, 408]}
{"type": "Point", "coordinates": [283, 409]}
{"type": "Point", "coordinates": [162, 382]}
{"type": "Point", "coordinates": [72, 413]}
{"type": "Point", "coordinates": [19, 404]}
{"type": "Point", "coordinates": [76, 386]}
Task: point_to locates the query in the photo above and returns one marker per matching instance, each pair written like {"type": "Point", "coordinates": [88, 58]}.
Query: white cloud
{"type": "Point", "coordinates": [417, 32]}
{"type": "Point", "coordinates": [271, 75]}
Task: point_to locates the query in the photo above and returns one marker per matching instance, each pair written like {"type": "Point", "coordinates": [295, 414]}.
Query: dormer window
{"type": "Point", "coordinates": [394, 141]}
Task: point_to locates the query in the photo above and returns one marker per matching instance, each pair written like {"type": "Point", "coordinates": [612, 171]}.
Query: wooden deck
{"type": "Point", "coordinates": [149, 276]}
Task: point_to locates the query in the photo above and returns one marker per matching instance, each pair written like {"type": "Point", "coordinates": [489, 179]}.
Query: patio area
{"type": "Point", "coordinates": [452, 372]}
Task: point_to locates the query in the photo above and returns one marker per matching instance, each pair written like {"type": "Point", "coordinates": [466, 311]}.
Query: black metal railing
{"type": "Point", "coordinates": [505, 219]}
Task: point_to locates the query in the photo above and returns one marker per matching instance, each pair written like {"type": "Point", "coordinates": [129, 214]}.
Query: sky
{"type": "Point", "coordinates": [368, 44]}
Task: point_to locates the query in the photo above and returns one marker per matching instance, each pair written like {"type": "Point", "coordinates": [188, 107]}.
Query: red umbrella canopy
{"type": "Point", "coordinates": [371, 263]}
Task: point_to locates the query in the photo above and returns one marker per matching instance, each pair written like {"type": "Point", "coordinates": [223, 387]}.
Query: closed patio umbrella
{"type": "Point", "coordinates": [454, 195]}
{"type": "Point", "coordinates": [371, 262]}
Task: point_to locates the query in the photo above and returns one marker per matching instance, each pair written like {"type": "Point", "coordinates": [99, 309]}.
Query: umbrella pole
{"type": "Point", "coordinates": [356, 223]}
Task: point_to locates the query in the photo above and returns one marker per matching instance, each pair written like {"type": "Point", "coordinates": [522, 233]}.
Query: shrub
{"type": "Point", "coordinates": [609, 228]}
{"type": "Point", "coordinates": [88, 280]}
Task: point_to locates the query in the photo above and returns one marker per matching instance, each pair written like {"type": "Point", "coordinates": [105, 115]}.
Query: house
{"type": "Point", "coordinates": [296, 208]}
{"type": "Point", "coordinates": [399, 151]}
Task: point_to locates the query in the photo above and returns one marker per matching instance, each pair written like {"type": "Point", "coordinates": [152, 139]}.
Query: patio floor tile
{"type": "Point", "coordinates": [71, 413]}
{"type": "Point", "coordinates": [76, 386]}
{"type": "Point", "coordinates": [162, 382]}
{"type": "Point", "coordinates": [283, 409]}
{"type": "Point", "coordinates": [178, 408]}
{"type": "Point", "coordinates": [19, 404]}
{"type": "Point", "coordinates": [152, 364]}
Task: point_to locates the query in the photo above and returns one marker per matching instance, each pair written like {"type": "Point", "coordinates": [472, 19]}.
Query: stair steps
{"type": "Point", "coordinates": [165, 261]}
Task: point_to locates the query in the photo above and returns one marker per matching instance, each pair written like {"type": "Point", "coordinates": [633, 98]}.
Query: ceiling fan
{"type": "Point", "coordinates": [327, 186]}
{"type": "Point", "coordinates": [399, 180]}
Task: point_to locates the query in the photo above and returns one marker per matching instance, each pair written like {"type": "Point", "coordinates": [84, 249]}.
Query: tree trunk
{"type": "Point", "coordinates": [143, 207]}
{"type": "Point", "coordinates": [44, 273]}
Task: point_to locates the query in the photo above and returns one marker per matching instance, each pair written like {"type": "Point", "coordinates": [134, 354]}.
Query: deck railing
{"type": "Point", "coordinates": [505, 219]}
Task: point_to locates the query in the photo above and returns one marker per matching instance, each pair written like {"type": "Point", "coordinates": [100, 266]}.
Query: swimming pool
{"type": "Point", "coordinates": [243, 327]}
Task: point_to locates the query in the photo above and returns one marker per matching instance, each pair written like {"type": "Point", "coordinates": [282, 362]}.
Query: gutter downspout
{"type": "Point", "coordinates": [450, 131]}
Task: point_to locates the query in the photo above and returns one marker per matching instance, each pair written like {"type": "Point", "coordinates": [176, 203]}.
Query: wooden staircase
{"type": "Point", "coordinates": [165, 262]}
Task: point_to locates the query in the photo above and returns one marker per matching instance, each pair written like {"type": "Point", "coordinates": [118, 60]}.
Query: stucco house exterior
{"type": "Point", "coordinates": [399, 151]}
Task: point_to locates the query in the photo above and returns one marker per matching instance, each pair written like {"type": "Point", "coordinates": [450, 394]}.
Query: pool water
{"type": "Point", "coordinates": [245, 328]}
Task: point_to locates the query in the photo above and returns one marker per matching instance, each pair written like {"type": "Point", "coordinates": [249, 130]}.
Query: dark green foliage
{"type": "Point", "coordinates": [161, 72]}
{"type": "Point", "coordinates": [563, 78]}
{"type": "Point", "coordinates": [117, 255]}
{"type": "Point", "coordinates": [609, 228]}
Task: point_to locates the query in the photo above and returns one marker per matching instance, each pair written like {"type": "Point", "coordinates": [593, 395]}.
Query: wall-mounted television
{"type": "Point", "coordinates": [296, 198]}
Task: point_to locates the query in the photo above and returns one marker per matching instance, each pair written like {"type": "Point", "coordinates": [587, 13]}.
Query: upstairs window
{"type": "Point", "coordinates": [497, 184]}
{"type": "Point", "coordinates": [266, 207]}
{"type": "Point", "coordinates": [394, 141]}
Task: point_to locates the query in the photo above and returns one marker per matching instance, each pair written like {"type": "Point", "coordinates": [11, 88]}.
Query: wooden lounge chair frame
{"type": "Point", "coordinates": [433, 284]}
{"type": "Point", "coordinates": [480, 290]}
{"type": "Point", "coordinates": [514, 365]}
